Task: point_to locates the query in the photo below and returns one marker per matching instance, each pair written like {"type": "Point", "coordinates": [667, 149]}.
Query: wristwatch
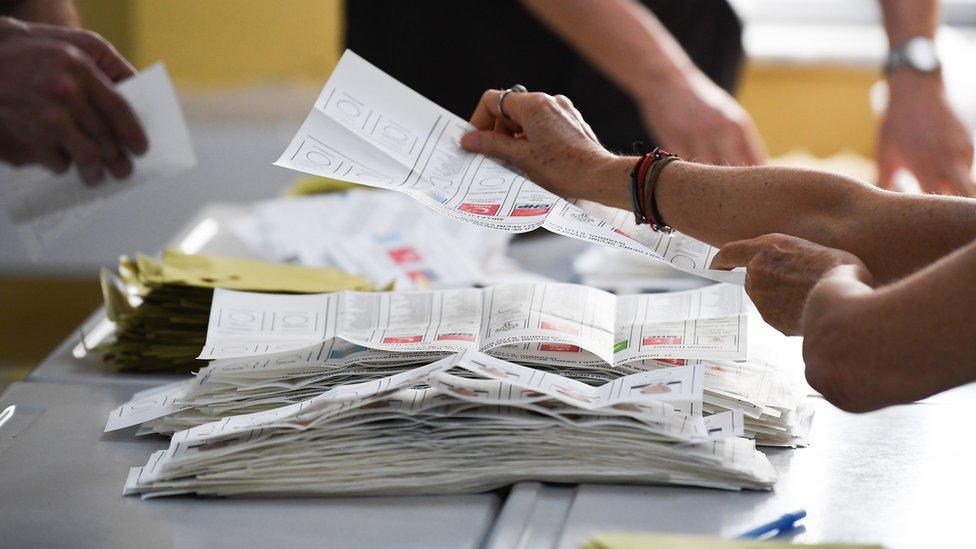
{"type": "Point", "coordinates": [918, 54]}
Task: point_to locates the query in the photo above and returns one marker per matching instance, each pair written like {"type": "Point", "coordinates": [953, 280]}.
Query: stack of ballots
{"type": "Point", "coordinates": [324, 393]}
{"type": "Point", "coordinates": [465, 423]}
{"type": "Point", "coordinates": [161, 307]}
{"type": "Point", "coordinates": [766, 388]}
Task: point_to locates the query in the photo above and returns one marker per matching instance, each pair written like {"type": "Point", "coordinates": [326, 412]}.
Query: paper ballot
{"type": "Point", "coordinates": [767, 388]}
{"type": "Point", "coordinates": [467, 422]}
{"type": "Point", "coordinates": [549, 323]}
{"type": "Point", "coordinates": [368, 128]}
{"type": "Point", "coordinates": [44, 206]}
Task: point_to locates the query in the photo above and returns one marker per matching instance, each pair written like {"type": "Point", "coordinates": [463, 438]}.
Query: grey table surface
{"type": "Point", "coordinates": [61, 486]}
{"type": "Point", "coordinates": [902, 477]}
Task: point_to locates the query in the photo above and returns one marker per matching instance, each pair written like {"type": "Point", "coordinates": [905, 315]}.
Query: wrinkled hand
{"type": "Point", "coordinates": [545, 137]}
{"type": "Point", "coordinates": [700, 122]}
{"type": "Point", "coordinates": [922, 134]}
{"type": "Point", "coordinates": [781, 271]}
{"type": "Point", "coordinates": [58, 105]}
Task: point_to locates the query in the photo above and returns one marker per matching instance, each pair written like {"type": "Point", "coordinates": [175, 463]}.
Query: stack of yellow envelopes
{"type": "Point", "coordinates": [161, 308]}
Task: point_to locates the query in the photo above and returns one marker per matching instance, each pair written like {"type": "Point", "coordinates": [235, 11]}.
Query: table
{"type": "Point", "coordinates": [62, 483]}
{"type": "Point", "coordinates": [902, 477]}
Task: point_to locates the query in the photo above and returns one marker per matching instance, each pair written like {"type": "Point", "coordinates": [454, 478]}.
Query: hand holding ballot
{"type": "Point", "coordinates": [58, 103]}
{"type": "Point", "coordinates": [541, 131]}
{"type": "Point", "coordinates": [814, 245]}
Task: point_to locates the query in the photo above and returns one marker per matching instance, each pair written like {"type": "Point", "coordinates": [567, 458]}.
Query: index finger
{"type": "Point", "coordinates": [736, 254]}
{"type": "Point", "coordinates": [516, 104]}
{"type": "Point", "coordinates": [484, 117]}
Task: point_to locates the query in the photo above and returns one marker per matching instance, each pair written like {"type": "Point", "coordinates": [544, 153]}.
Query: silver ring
{"type": "Point", "coordinates": [517, 88]}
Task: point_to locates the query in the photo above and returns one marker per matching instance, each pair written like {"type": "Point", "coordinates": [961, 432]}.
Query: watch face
{"type": "Point", "coordinates": [920, 54]}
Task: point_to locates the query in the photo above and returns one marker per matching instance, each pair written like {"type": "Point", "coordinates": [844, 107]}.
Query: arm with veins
{"type": "Point", "coordinates": [894, 234]}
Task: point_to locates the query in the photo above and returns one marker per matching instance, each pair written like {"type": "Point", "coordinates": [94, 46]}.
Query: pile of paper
{"type": "Point", "coordinates": [465, 423]}
{"type": "Point", "coordinates": [368, 128]}
{"type": "Point", "coordinates": [383, 236]}
{"type": "Point", "coordinates": [561, 328]}
{"type": "Point", "coordinates": [161, 308]}
{"type": "Point", "coordinates": [767, 389]}
{"type": "Point", "coordinates": [770, 399]}
{"type": "Point", "coordinates": [540, 323]}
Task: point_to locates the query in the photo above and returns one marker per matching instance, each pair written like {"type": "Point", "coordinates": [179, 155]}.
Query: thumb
{"type": "Point", "coordinates": [494, 144]}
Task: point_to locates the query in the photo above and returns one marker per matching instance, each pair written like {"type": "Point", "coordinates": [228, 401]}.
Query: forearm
{"type": "Point", "coordinates": [50, 12]}
{"type": "Point", "coordinates": [865, 349]}
{"type": "Point", "coordinates": [904, 19]}
{"type": "Point", "coordinates": [894, 234]}
{"type": "Point", "coordinates": [621, 37]}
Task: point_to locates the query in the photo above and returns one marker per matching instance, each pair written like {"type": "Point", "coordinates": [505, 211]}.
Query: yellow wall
{"type": "Point", "coordinates": [224, 42]}
{"type": "Point", "coordinates": [823, 109]}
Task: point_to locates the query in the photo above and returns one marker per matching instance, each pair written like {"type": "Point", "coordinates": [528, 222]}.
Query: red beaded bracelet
{"type": "Point", "coordinates": [643, 178]}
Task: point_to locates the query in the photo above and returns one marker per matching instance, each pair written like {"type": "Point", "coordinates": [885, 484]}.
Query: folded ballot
{"type": "Point", "coordinates": [46, 206]}
{"type": "Point", "coordinates": [467, 422]}
{"type": "Point", "coordinates": [161, 308]}
{"type": "Point", "coordinates": [546, 323]}
{"type": "Point", "coordinates": [367, 128]}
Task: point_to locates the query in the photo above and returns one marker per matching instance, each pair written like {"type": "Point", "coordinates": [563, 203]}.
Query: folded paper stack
{"type": "Point", "coordinates": [430, 429]}
{"type": "Point", "coordinates": [472, 389]}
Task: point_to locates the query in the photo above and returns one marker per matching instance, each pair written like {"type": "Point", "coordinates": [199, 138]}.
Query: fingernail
{"type": "Point", "coordinates": [471, 141]}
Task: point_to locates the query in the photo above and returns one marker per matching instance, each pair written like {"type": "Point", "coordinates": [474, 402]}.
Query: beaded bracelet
{"type": "Point", "coordinates": [643, 179]}
{"type": "Point", "coordinates": [637, 187]}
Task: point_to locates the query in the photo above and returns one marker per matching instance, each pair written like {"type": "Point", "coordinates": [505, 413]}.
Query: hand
{"type": "Point", "coordinates": [922, 134]}
{"type": "Point", "coordinates": [700, 122]}
{"type": "Point", "coordinates": [548, 139]}
{"type": "Point", "coordinates": [58, 105]}
{"type": "Point", "coordinates": [781, 271]}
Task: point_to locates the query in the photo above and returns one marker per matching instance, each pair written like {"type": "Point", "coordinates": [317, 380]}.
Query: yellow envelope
{"type": "Point", "coordinates": [243, 274]}
{"type": "Point", "coordinates": [319, 185]}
